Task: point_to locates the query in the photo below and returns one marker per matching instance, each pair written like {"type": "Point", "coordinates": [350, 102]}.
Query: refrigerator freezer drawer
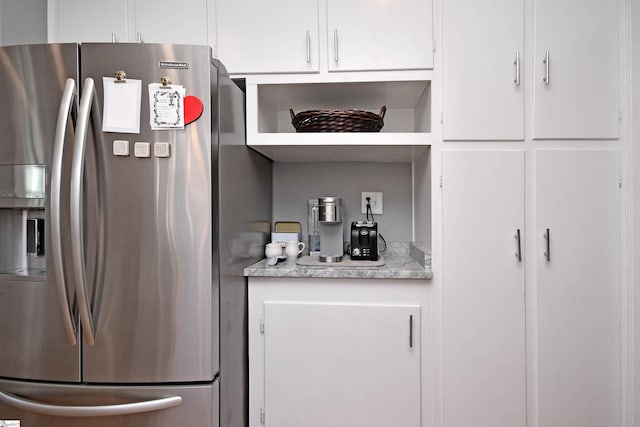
{"type": "Point", "coordinates": [36, 405]}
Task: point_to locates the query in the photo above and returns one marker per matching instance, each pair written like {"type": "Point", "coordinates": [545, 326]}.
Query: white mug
{"type": "Point", "coordinates": [273, 251]}
{"type": "Point", "coordinates": [293, 249]}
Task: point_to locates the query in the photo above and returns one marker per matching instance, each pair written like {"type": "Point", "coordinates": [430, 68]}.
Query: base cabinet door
{"type": "Point", "coordinates": [340, 352]}
{"type": "Point", "coordinates": [341, 365]}
{"type": "Point", "coordinates": [484, 369]}
{"type": "Point", "coordinates": [577, 294]}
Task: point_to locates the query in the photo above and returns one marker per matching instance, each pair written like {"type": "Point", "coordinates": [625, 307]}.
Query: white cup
{"type": "Point", "coordinates": [293, 249]}
{"type": "Point", "coordinates": [273, 251]}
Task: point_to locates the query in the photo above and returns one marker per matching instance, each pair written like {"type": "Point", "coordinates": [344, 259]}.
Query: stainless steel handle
{"type": "Point", "coordinates": [77, 242]}
{"type": "Point", "coordinates": [113, 38]}
{"type": "Point", "coordinates": [411, 331]}
{"type": "Point", "coordinates": [139, 36]}
{"type": "Point", "coordinates": [335, 44]}
{"type": "Point", "coordinates": [308, 47]}
{"type": "Point", "coordinates": [516, 62]}
{"type": "Point", "coordinates": [89, 411]}
{"type": "Point", "coordinates": [66, 104]}
{"type": "Point", "coordinates": [547, 238]}
{"type": "Point", "coordinates": [547, 76]}
{"type": "Point", "coordinates": [518, 240]}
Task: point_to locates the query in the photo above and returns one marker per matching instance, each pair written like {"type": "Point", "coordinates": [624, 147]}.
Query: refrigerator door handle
{"type": "Point", "coordinates": [66, 105]}
{"type": "Point", "coordinates": [90, 411]}
{"type": "Point", "coordinates": [87, 101]}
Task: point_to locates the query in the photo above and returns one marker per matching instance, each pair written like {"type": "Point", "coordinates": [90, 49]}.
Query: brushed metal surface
{"type": "Point", "coordinates": [197, 409]}
{"type": "Point", "coordinates": [245, 200]}
{"type": "Point", "coordinates": [153, 300]}
{"type": "Point", "coordinates": [31, 329]}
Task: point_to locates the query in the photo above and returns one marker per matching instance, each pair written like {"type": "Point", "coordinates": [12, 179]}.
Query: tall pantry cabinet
{"type": "Point", "coordinates": [531, 203]}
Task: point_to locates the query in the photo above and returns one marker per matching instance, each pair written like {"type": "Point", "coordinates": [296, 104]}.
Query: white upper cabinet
{"type": "Point", "coordinates": [153, 21]}
{"type": "Point", "coordinates": [23, 22]}
{"type": "Point", "coordinates": [256, 36]}
{"type": "Point", "coordinates": [298, 36]}
{"type": "Point", "coordinates": [575, 69]}
{"type": "Point", "coordinates": [572, 70]}
{"type": "Point", "coordinates": [483, 55]}
{"type": "Point", "coordinates": [84, 21]}
{"type": "Point", "coordinates": [380, 35]}
{"type": "Point", "coordinates": [129, 21]}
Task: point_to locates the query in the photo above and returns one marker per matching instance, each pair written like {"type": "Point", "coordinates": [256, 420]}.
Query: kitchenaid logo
{"type": "Point", "coordinates": [172, 64]}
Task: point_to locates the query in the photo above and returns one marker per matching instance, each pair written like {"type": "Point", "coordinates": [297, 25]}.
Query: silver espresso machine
{"type": "Point", "coordinates": [331, 229]}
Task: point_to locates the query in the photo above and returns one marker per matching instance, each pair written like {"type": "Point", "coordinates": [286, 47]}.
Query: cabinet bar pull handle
{"type": "Point", "coordinates": [139, 36]}
{"type": "Point", "coordinates": [547, 77]}
{"type": "Point", "coordinates": [308, 47]}
{"type": "Point", "coordinates": [335, 44]}
{"type": "Point", "coordinates": [519, 252]}
{"type": "Point", "coordinates": [411, 331]}
{"type": "Point", "coordinates": [113, 38]}
{"type": "Point", "coordinates": [517, 64]}
{"type": "Point", "coordinates": [547, 238]}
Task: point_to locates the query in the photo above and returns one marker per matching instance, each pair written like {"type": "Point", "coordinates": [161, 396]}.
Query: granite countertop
{"type": "Point", "coordinates": [398, 264]}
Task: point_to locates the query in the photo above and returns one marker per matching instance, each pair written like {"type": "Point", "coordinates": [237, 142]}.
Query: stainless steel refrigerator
{"type": "Point", "coordinates": [122, 299]}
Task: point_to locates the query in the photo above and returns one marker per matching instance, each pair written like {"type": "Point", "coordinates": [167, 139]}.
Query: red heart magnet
{"type": "Point", "coordinates": [193, 108]}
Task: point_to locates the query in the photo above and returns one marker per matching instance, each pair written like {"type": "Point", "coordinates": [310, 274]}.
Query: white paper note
{"type": "Point", "coordinates": [121, 109]}
{"type": "Point", "coordinates": [166, 106]}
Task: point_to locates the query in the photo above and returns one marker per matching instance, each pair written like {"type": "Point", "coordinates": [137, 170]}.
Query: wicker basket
{"type": "Point", "coordinates": [338, 120]}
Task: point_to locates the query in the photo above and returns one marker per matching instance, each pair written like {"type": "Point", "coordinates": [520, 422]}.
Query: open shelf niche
{"type": "Point", "coordinates": [407, 122]}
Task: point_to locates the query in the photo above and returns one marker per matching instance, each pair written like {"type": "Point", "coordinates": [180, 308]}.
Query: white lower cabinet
{"type": "Point", "coordinates": [532, 339]}
{"type": "Point", "coordinates": [334, 352]}
{"type": "Point", "coordinates": [483, 289]}
{"type": "Point", "coordinates": [576, 297]}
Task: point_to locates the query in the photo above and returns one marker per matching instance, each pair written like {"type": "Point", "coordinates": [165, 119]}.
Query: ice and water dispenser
{"type": "Point", "coordinates": [22, 219]}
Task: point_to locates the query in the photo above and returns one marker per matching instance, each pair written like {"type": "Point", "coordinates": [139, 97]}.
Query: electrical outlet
{"type": "Point", "coordinates": [376, 202]}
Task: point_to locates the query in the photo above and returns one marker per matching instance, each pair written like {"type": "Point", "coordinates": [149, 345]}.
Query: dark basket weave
{"type": "Point", "coordinates": [338, 120]}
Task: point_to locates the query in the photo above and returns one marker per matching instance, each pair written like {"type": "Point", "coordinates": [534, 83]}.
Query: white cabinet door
{"type": "Point", "coordinates": [88, 21]}
{"type": "Point", "coordinates": [23, 22]}
{"type": "Point", "coordinates": [577, 293]}
{"type": "Point", "coordinates": [483, 55]}
{"type": "Point", "coordinates": [165, 21]}
{"type": "Point", "coordinates": [483, 289]}
{"type": "Point", "coordinates": [381, 35]}
{"type": "Point", "coordinates": [578, 97]}
{"type": "Point", "coordinates": [279, 36]}
{"type": "Point", "coordinates": [341, 365]}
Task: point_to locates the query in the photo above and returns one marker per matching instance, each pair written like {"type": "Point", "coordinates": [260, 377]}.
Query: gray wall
{"type": "Point", "coordinates": [295, 183]}
{"type": "Point", "coordinates": [23, 22]}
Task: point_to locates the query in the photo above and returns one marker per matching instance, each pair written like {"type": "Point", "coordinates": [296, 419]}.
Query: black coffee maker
{"type": "Point", "coordinates": [364, 241]}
